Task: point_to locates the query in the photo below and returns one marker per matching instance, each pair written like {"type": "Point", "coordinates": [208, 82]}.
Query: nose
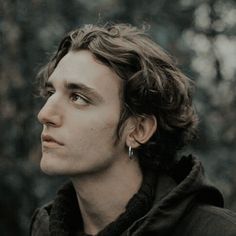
{"type": "Point", "coordinates": [50, 114]}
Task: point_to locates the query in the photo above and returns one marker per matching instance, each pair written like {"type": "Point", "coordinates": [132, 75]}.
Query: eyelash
{"type": "Point", "coordinates": [76, 95]}
{"type": "Point", "coordinates": [48, 93]}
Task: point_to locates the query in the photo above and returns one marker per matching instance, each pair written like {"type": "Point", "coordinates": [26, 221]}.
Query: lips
{"type": "Point", "coordinates": [49, 139]}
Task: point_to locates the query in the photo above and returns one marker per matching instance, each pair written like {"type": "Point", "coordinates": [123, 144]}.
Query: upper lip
{"type": "Point", "coordinates": [49, 138]}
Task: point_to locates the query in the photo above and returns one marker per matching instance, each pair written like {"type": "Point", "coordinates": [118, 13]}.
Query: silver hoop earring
{"type": "Point", "coordinates": [131, 152]}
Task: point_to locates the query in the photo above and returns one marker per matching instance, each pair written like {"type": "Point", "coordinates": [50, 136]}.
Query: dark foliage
{"type": "Point", "coordinates": [201, 34]}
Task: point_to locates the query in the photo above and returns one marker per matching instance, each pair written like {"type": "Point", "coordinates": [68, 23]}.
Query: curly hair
{"type": "Point", "coordinates": [153, 85]}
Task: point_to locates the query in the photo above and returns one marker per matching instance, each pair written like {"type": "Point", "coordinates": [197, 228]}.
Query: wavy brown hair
{"type": "Point", "coordinates": [153, 85]}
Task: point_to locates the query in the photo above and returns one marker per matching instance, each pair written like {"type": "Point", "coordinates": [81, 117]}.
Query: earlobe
{"type": "Point", "coordinates": [143, 130]}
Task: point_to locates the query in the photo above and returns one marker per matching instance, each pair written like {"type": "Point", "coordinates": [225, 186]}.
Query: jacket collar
{"type": "Point", "coordinates": [176, 193]}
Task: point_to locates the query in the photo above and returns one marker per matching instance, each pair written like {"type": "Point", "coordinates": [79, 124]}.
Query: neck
{"type": "Point", "coordinates": [103, 196]}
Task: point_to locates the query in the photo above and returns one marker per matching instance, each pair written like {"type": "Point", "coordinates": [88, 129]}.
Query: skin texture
{"type": "Point", "coordinates": [81, 113]}
{"type": "Point", "coordinates": [86, 129]}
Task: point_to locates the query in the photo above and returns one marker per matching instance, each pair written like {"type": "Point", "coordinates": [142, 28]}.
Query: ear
{"type": "Point", "coordinates": [142, 130]}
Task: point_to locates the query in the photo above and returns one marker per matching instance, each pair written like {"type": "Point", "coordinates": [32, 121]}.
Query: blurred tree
{"type": "Point", "coordinates": [213, 43]}
{"type": "Point", "coordinates": [201, 34]}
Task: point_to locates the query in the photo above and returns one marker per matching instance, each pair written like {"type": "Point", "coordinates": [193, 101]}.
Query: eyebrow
{"type": "Point", "coordinates": [79, 87]}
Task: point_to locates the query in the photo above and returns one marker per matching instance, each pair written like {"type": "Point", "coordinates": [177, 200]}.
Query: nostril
{"type": "Point", "coordinates": [50, 117]}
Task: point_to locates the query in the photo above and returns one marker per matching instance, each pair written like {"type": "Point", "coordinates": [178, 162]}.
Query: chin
{"type": "Point", "coordinates": [47, 169]}
{"type": "Point", "coordinates": [50, 166]}
{"type": "Point", "coordinates": [55, 166]}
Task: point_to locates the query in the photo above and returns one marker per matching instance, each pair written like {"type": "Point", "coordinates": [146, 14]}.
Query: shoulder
{"type": "Point", "coordinates": [40, 221]}
{"type": "Point", "coordinates": [209, 220]}
{"type": "Point", "coordinates": [218, 213]}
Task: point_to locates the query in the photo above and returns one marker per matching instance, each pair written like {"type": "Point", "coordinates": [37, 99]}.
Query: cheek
{"type": "Point", "coordinates": [93, 125]}
{"type": "Point", "coordinates": [92, 130]}
{"type": "Point", "coordinates": [108, 125]}
{"type": "Point", "coordinates": [98, 132]}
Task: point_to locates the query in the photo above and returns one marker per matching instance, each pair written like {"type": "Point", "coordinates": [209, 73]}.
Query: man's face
{"type": "Point", "coordinates": [80, 117]}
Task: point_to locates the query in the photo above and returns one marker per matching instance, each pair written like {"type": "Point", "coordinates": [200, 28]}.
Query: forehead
{"type": "Point", "coordinates": [82, 67]}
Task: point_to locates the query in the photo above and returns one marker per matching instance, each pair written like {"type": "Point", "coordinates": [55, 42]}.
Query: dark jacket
{"type": "Point", "coordinates": [184, 205]}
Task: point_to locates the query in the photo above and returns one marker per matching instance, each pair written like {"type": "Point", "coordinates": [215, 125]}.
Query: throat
{"type": "Point", "coordinates": [104, 198]}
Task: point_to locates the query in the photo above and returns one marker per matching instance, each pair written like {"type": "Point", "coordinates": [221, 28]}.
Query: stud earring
{"type": "Point", "coordinates": [131, 152]}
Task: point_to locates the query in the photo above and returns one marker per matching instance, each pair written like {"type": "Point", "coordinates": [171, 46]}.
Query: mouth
{"type": "Point", "coordinates": [48, 140]}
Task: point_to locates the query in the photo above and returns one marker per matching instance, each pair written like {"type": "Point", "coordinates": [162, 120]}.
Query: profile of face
{"type": "Point", "coordinates": [80, 117]}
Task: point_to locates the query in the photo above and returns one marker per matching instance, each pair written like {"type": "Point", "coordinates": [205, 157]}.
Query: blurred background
{"type": "Point", "coordinates": [200, 34]}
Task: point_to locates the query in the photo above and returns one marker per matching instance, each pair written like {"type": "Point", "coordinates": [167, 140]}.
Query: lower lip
{"type": "Point", "coordinates": [51, 144]}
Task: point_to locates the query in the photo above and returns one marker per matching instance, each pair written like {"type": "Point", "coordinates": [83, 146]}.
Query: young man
{"type": "Point", "coordinates": [117, 111]}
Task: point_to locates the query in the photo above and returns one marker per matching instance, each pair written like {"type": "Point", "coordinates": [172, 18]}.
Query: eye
{"type": "Point", "coordinates": [78, 99]}
{"type": "Point", "coordinates": [47, 93]}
